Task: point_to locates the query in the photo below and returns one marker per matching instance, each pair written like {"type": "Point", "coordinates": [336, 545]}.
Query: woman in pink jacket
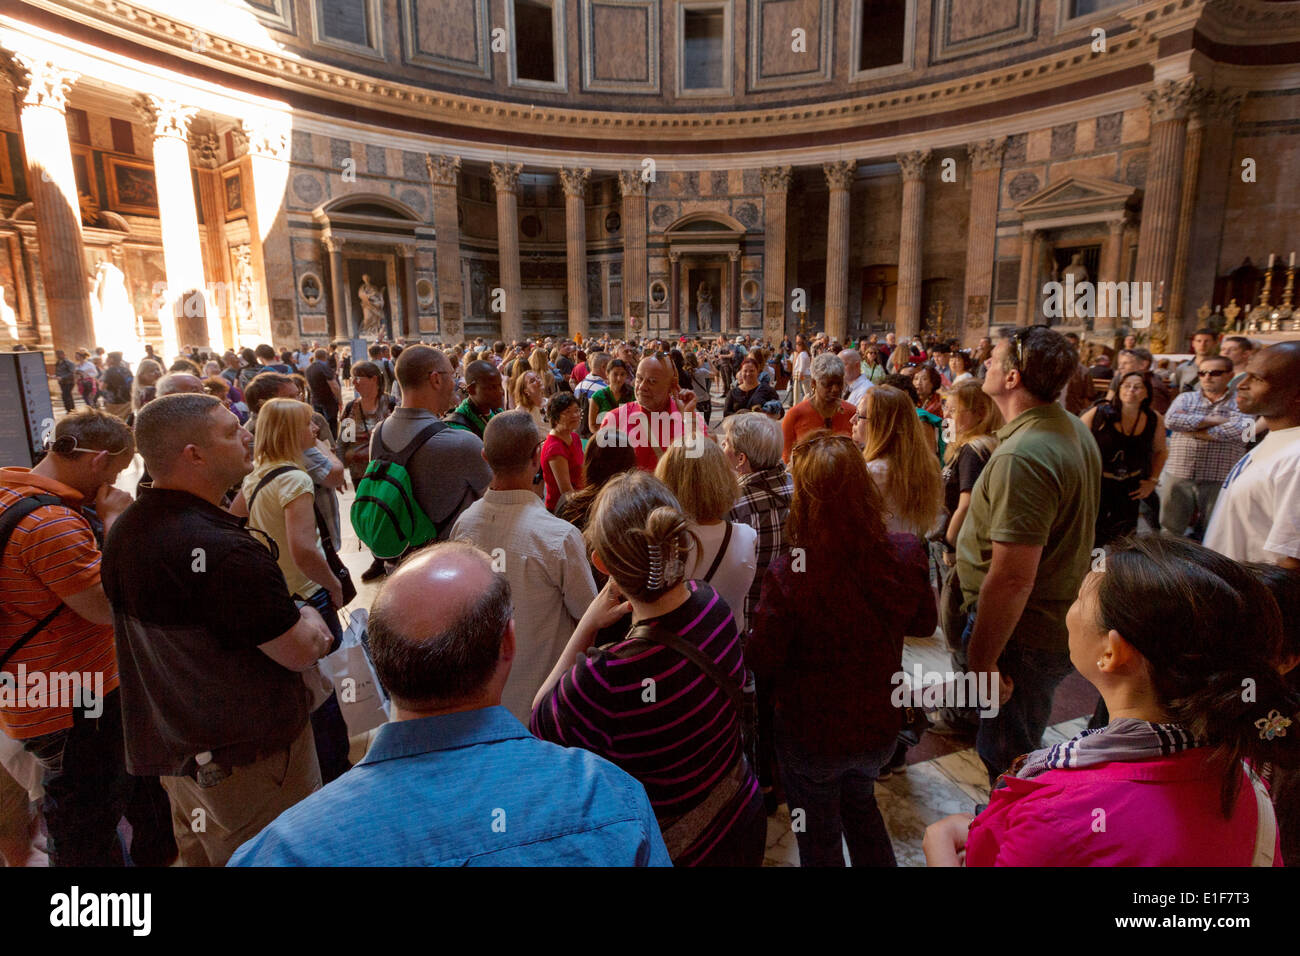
{"type": "Point", "coordinates": [1181, 644]}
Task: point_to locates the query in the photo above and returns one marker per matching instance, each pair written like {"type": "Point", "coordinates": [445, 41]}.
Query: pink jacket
{"type": "Point", "coordinates": [1144, 813]}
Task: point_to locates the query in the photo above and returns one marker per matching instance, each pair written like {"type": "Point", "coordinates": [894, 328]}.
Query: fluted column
{"type": "Point", "coordinates": [339, 285]}
{"type": "Point", "coordinates": [443, 176]}
{"type": "Point", "coordinates": [575, 246]}
{"type": "Point", "coordinates": [266, 139]}
{"type": "Point", "coordinates": [1219, 167]}
{"type": "Point", "coordinates": [1030, 254]}
{"type": "Point", "coordinates": [839, 177]}
{"type": "Point", "coordinates": [205, 157]}
{"type": "Point", "coordinates": [981, 235]}
{"type": "Point", "coordinates": [636, 278]}
{"type": "Point", "coordinates": [188, 312]}
{"type": "Point", "coordinates": [1158, 237]}
{"type": "Point", "coordinates": [412, 309]}
{"type": "Point", "coordinates": [675, 309]}
{"type": "Point", "coordinates": [907, 322]}
{"type": "Point", "coordinates": [42, 87]}
{"type": "Point", "coordinates": [776, 190]}
{"type": "Point", "coordinates": [505, 176]}
{"type": "Point", "coordinates": [1111, 263]}
{"type": "Point", "coordinates": [1196, 119]}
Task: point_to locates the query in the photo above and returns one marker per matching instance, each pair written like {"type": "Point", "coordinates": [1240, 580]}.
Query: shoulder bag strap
{"type": "Point", "coordinates": [15, 513]}
{"type": "Point", "coordinates": [722, 552]}
{"type": "Point", "coordinates": [656, 635]}
{"type": "Point", "coordinates": [266, 479]}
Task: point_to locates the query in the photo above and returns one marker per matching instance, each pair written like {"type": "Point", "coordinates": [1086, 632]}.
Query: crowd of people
{"type": "Point", "coordinates": [634, 595]}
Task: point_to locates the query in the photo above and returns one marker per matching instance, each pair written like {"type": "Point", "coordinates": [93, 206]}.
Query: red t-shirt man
{"type": "Point", "coordinates": [649, 433]}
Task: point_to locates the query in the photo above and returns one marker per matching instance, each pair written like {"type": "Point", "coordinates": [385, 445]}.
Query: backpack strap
{"type": "Point", "coordinates": [657, 635]}
{"type": "Point", "coordinates": [403, 456]}
{"type": "Point", "coordinates": [14, 514]}
{"type": "Point", "coordinates": [722, 552]}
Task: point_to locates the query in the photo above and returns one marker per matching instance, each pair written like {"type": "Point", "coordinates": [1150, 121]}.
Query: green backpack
{"type": "Point", "coordinates": [385, 514]}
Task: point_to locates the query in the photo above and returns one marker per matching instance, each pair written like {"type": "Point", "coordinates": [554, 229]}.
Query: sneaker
{"type": "Point", "coordinates": [376, 570]}
{"type": "Point", "coordinates": [899, 762]}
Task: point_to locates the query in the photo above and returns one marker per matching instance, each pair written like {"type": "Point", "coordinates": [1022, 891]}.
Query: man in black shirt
{"type": "Point", "coordinates": [326, 395]}
{"type": "Point", "coordinates": [210, 645]}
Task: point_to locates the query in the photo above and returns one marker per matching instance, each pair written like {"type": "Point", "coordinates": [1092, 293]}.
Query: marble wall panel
{"type": "Point", "coordinates": [451, 35]}
{"type": "Point", "coordinates": [1136, 126]}
{"type": "Point", "coordinates": [1039, 145]}
{"type": "Point", "coordinates": [776, 60]}
{"type": "Point", "coordinates": [620, 45]}
{"type": "Point", "coordinates": [1105, 166]}
{"type": "Point", "coordinates": [1260, 216]}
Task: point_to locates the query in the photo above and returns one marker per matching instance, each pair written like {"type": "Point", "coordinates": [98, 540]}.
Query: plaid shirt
{"type": "Point", "coordinates": [1200, 459]}
{"type": "Point", "coordinates": [763, 504]}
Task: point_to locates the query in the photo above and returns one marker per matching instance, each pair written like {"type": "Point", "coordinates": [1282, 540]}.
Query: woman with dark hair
{"type": "Point", "coordinates": [679, 365]}
{"type": "Point", "coordinates": [685, 747]}
{"type": "Point", "coordinates": [1131, 437]}
{"type": "Point", "coordinates": [618, 392]}
{"type": "Point", "coordinates": [832, 671]}
{"type": "Point", "coordinates": [927, 383]}
{"type": "Point", "coordinates": [606, 455]}
{"type": "Point", "coordinates": [562, 449]}
{"type": "Point", "coordinates": [1169, 634]}
{"type": "Point", "coordinates": [748, 394]}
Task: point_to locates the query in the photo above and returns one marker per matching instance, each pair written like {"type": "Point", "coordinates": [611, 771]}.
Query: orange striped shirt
{"type": "Point", "coordinates": [52, 554]}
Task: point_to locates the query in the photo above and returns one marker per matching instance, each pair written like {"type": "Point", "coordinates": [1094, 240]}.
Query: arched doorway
{"type": "Point", "coordinates": [704, 251]}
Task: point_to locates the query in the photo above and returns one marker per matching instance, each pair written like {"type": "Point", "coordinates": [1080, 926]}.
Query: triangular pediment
{"type": "Point", "coordinates": [1076, 194]}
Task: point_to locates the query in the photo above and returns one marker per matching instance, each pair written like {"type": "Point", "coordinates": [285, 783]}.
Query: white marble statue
{"type": "Point", "coordinates": [704, 307]}
{"type": "Point", "coordinates": [372, 308]}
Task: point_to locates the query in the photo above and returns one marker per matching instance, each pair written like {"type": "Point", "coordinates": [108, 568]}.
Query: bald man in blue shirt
{"type": "Point", "coordinates": [454, 779]}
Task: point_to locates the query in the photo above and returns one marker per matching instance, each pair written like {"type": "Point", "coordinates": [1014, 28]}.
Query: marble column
{"type": "Point", "coordinates": [839, 177]}
{"type": "Point", "coordinates": [776, 191]}
{"type": "Point", "coordinates": [444, 174]}
{"type": "Point", "coordinates": [1177, 299]}
{"type": "Point", "coordinates": [1168, 104]}
{"type": "Point", "coordinates": [675, 309]}
{"type": "Point", "coordinates": [505, 176]}
{"type": "Point", "coordinates": [205, 157]}
{"type": "Point", "coordinates": [1031, 254]}
{"type": "Point", "coordinates": [981, 236]}
{"type": "Point", "coordinates": [575, 246]}
{"type": "Point", "coordinates": [42, 90]}
{"type": "Point", "coordinates": [182, 254]}
{"type": "Point", "coordinates": [734, 256]}
{"type": "Point", "coordinates": [1219, 167]}
{"type": "Point", "coordinates": [343, 325]}
{"type": "Point", "coordinates": [907, 321]}
{"type": "Point", "coordinates": [412, 310]}
{"type": "Point", "coordinates": [636, 278]}
{"type": "Point", "coordinates": [1112, 262]}
{"type": "Point", "coordinates": [266, 141]}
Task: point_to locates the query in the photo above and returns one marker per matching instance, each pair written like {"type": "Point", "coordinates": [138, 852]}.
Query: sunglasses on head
{"type": "Point", "coordinates": [67, 445]}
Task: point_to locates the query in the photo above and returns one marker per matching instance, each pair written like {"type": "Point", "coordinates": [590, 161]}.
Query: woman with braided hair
{"type": "Point", "coordinates": [664, 703]}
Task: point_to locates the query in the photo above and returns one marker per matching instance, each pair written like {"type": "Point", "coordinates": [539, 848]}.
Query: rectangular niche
{"type": "Point", "coordinates": [536, 31]}
{"type": "Point", "coordinates": [351, 25]}
{"type": "Point", "coordinates": [780, 58]}
{"type": "Point", "coordinates": [620, 46]}
{"type": "Point", "coordinates": [273, 13]}
{"type": "Point", "coordinates": [883, 38]}
{"type": "Point", "coordinates": [976, 26]}
{"type": "Point", "coordinates": [704, 48]}
{"type": "Point", "coordinates": [450, 35]}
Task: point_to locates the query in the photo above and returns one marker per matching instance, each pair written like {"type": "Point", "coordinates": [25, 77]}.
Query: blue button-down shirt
{"type": "Point", "coordinates": [470, 788]}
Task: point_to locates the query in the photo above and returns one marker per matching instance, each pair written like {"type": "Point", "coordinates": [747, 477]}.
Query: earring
{"type": "Point", "coordinates": [1099, 663]}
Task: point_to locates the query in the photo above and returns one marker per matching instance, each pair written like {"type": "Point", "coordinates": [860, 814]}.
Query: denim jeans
{"type": "Point", "coordinates": [327, 723]}
{"type": "Point", "coordinates": [1018, 727]}
{"type": "Point", "coordinates": [837, 796]}
{"type": "Point", "coordinates": [87, 787]}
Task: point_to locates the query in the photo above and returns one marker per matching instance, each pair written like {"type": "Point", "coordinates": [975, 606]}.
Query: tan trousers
{"type": "Point", "coordinates": [212, 823]}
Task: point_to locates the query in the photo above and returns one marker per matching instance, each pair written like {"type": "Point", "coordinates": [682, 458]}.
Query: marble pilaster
{"type": "Point", "coordinates": [776, 191]}
{"type": "Point", "coordinates": [636, 277]}
{"type": "Point", "coordinates": [575, 246]}
{"type": "Point", "coordinates": [505, 177]}
{"type": "Point", "coordinates": [981, 236]}
{"type": "Point", "coordinates": [1031, 255]}
{"type": "Point", "coordinates": [444, 174]}
{"type": "Point", "coordinates": [1109, 267]}
{"type": "Point", "coordinates": [907, 322]}
{"type": "Point", "coordinates": [839, 177]}
{"type": "Point", "coordinates": [343, 326]}
{"type": "Point", "coordinates": [412, 310]}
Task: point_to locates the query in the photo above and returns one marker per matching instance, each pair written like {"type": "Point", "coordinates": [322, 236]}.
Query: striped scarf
{"type": "Point", "coordinates": [1125, 739]}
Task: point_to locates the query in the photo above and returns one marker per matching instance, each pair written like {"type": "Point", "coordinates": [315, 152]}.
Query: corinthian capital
{"type": "Point", "coordinates": [775, 179]}
{"type": "Point", "coordinates": [205, 150]}
{"type": "Point", "coordinates": [1172, 99]}
{"type": "Point", "coordinates": [840, 175]}
{"type": "Point", "coordinates": [264, 139]}
{"type": "Point", "coordinates": [443, 169]}
{"type": "Point", "coordinates": [168, 117]}
{"type": "Point", "coordinates": [575, 181]}
{"type": "Point", "coordinates": [505, 176]}
{"type": "Point", "coordinates": [39, 82]}
{"type": "Point", "coordinates": [913, 164]}
{"type": "Point", "coordinates": [987, 154]}
{"type": "Point", "coordinates": [631, 183]}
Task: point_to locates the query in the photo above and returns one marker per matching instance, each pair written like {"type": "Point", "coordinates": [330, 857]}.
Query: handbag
{"type": "Point", "coordinates": [336, 565]}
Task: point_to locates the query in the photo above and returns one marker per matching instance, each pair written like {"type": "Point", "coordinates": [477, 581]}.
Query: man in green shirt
{"type": "Point", "coordinates": [1026, 543]}
{"type": "Point", "coordinates": [487, 395]}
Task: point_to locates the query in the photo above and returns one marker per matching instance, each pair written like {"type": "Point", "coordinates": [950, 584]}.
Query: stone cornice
{"type": "Point", "coordinates": [1250, 22]}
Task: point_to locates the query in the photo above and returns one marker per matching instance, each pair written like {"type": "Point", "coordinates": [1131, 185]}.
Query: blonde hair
{"type": "Point", "coordinates": [970, 396]}
{"type": "Point", "coordinates": [700, 478]}
{"type": "Point", "coordinates": [643, 539]}
{"type": "Point", "coordinates": [537, 362]}
{"type": "Point", "coordinates": [520, 395]}
{"type": "Point", "coordinates": [279, 431]}
{"type": "Point", "coordinates": [913, 486]}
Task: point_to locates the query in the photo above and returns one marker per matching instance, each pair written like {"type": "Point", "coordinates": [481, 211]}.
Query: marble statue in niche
{"type": "Point", "coordinates": [1077, 269]}
{"type": "Point", "coordinates": [704, 307]}
{"type": "Point", "coordinates": [372, 308]}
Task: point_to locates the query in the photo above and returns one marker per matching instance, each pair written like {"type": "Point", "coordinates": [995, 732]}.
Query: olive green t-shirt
{"type": "Point", "coordinates": [1041, 486]}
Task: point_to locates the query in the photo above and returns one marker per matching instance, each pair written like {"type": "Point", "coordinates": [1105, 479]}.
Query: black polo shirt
{"type": "Point", "coordinates": [194, 595]}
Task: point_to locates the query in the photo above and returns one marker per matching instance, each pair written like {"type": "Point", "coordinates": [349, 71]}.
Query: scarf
{"type": "Point", "coordinates": [1125, 739]}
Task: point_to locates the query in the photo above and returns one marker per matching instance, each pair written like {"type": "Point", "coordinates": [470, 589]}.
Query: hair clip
{"type": "Point", "coordinates": [655, 580]}
{"type": "Point", "coordinates": [1274, 725]}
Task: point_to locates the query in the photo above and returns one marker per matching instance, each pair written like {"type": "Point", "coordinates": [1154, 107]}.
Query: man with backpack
{"type": "Point", "coordinates": [418, 458]}
{"type": "Point", "coordinates": [56, 623]}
